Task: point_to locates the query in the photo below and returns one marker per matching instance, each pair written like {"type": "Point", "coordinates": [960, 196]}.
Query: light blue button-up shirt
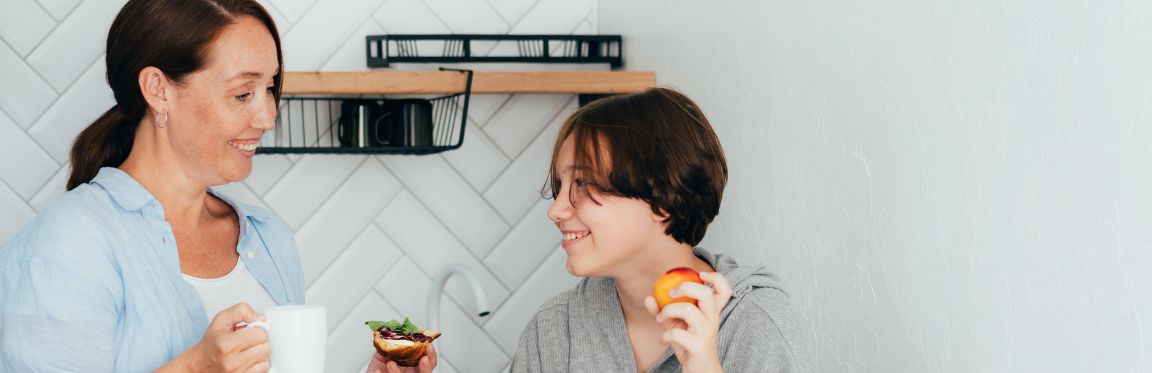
{"type": "Point", "coordinates": [93, 284]}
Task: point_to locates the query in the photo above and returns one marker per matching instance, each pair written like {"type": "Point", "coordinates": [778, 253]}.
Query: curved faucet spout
{"type": "Point", "coordinates": [437, 289]}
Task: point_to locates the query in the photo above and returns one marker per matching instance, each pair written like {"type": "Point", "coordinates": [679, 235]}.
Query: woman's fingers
{"type": "Point", "coordinates": [431, 353]}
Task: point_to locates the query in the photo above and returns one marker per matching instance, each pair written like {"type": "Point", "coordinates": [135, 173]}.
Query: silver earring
{"type": "Point", "coordinates": [162, 122]}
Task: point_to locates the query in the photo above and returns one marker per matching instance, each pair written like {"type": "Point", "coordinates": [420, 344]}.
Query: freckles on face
{"type": "Point", "coordinates": [227, 105]}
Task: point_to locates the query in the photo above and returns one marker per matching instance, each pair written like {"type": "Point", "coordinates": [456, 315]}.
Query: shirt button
{"type": "Point", "coordinates": [250, 254]}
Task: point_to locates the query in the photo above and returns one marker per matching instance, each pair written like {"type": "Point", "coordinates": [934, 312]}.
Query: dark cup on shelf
{"type": "Point", "coordinates": [410, 121]}
{"type": "Point", "coordinates": [358, 119]}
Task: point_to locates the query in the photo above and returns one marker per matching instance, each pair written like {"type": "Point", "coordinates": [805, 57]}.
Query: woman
{"type": "Point", "coordinates": [636, 180]}
{"type": "Point", "coordinates": [140, 266]}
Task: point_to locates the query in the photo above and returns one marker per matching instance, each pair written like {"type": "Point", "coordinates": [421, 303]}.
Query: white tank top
{"type": "Point", "coordinates": [235, 287]}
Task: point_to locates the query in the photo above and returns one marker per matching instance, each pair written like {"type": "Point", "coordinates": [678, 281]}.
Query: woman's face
{"type": "Point", "coordinates": [605, 239]}
{"type": "Point", "coordinates": [222, 110]}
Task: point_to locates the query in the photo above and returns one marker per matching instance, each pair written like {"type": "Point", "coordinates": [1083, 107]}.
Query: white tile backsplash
{"type": "Point", "coordinates": [23, 23]}
{"type": "Point", "coordinates": [479, 160]}
{"type": "Point", "coordinates": [429, 244]}
{"type": "Point", "coordinates": [310, 181]}
{"type": "Point", "coordinates": [343, 216]}
{"type": "Point", "coordinates": [522, 118]}
{"type": "Point", "coordinates": [267, 169]}
{"type": "Point", "coordinates": [32, 168]}
{"type": "Point", "coordinates": [371, 230]}
{"type": "Point", "coordinates": [76, 43]}
{"type": "Point", "coordinates": [77, 108]}
{"type": "Point", "coordinates": [513, 10]}
{"type": "Point", "coordinates": [317, 35]}
{"type": "Point", "coordinates": [451, 199]}
{"type": "Point", "coordinates": [352, 275]}
{"type": "Point", "coordinates": [554, 17]}
{"type": "Point", "coordinates": [59, 8]}
{"type": "Point", "coordinates": [468, 17]}
{"type": "Point", "coordinates": [519, 187]}
{"type": "Point", "coordinates": [23, 96]}
{"type": "Point", "coordinates": [530, 241]}
{"type": "Point", "coordinates": [352, 55]}
{"type": "Point", "coordinates": [409, 17]}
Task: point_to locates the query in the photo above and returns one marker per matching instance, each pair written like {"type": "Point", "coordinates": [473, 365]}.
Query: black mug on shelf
{"type": "Point", "coordinates": [358, 122]}
{"type": "Point", "coordinates": [410, 121]}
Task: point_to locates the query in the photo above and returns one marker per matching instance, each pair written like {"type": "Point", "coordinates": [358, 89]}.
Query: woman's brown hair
{"type": "Point", "coordinates": [171, 35]}
{"type": "Point", "coordinates": [655, 146]}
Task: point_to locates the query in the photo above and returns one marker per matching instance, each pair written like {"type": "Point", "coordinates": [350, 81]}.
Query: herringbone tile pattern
{"type": "Point", "coordinates": [373, 231]}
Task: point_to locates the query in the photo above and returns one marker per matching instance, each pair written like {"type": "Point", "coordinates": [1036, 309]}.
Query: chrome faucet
{"type": "Point", "coordinates": [437, 289]}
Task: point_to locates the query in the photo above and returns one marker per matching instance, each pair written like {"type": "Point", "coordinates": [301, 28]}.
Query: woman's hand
{"type": "Point", "coordinates": [692, 331]}
{"type": "Point", "coordinates": [225, 348]}
{"type": "Point", "coordinates": [381, 365]}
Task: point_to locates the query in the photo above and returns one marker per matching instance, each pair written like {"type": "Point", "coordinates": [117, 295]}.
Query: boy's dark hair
{"type": "Point", "coordinates": [655, 146]}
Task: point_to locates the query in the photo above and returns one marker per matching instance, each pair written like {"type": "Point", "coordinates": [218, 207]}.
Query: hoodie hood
{"type": "Point", "coordinates": [744, 279]}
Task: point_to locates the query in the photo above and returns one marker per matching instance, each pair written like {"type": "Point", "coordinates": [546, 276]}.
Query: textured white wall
{"type": "Point", "coordinates": [946, 186]}
{"type": "Point", "coordinates": [373, 231]}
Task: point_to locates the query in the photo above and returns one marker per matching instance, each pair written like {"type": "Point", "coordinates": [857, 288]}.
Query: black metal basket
{"type": "Point", "coordinates": [374, 125]}
{"type": "Point", "coordinates": [454, 48]}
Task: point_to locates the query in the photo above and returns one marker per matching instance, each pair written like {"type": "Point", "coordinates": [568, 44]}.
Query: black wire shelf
{"type": "Point", "coordinates": [384, 50]}
{"type": "Point", "coordinates": [370, 124]}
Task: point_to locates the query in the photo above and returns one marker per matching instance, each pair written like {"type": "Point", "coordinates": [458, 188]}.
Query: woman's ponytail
{"type": "Point", "coordinates": [105, 143]}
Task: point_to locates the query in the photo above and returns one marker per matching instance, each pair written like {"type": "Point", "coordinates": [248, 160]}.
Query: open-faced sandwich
{"type": "Point", "coordinates": [401, 342]}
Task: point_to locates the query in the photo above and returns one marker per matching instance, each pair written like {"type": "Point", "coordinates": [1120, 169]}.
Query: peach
{"type": "Point", "coordinates": [671, 279]}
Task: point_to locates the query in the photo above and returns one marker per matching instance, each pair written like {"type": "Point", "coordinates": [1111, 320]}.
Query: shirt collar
{"type": "Point", "coordinates": [131, 196]}
{"type": "Point", "coordinates": [125, 191]}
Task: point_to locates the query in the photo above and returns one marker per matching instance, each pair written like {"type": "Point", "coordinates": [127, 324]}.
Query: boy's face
{"type": "Point", "coordinates": [610, 238]}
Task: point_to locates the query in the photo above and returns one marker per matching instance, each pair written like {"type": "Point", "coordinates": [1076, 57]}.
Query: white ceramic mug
{"type": "Point", "coordinates": [298, 336]}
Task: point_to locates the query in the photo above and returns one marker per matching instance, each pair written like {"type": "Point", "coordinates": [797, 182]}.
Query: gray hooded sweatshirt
{"type": "Point", "coordinates": [582, 329]}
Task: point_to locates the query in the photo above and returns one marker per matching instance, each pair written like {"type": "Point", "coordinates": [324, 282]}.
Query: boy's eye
{"type": "Point", "coordinates": [272, 90]}
{"type": "Point", "coordinates": [244, 97]}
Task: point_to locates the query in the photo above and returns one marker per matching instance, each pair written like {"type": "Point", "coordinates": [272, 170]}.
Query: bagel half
{"type": "Point", "coordinates": [404, 352]}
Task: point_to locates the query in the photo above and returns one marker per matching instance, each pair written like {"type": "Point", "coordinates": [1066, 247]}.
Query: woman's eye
{"type": "Point", "coordinates": [244, 97]}
{"type": "Point", "coordinates": [578, 182]}
{"type": "Point", "coordinates": [272, 90]}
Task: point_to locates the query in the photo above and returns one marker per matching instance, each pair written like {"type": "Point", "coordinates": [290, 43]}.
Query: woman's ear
{"type": "Point", "coordinates": [157, 89]}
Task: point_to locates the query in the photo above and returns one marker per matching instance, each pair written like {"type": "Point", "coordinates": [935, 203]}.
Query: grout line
{"type": "Point", "coordinates": [443, 224]}
{"type": "Point", "coordinates": [477, 191]}
{"type": "Point", "coordinates": [437, 16]}
{"type": "Point", "coordinates": [46, 182]}
{"type": "Point", "coordinates": [450, 232]}
{"type": "Point", "coordinates": [525, 15]}
{"type": "Point", "coordinates": [59, 96]}
{"type": "Point", "coordinates": [312, 214]}
{"type": "Point", "coordinates": [535, 138]}
{"type": "Point", "coordinates": [501, 16]}
{"type": "Point", "coordinates": [23, 201]}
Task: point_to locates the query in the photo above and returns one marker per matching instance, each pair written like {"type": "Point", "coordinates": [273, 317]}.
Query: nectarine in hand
{"type": "Point", "coordinates": [674, 277]}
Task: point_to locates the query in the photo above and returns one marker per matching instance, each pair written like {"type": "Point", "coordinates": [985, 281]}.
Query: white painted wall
{"type": "Point", "coordinates": [946, 186]}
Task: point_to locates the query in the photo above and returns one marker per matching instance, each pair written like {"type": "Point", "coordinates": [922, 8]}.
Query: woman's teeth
{"type": "Point", "coordinates": [574, 236]}
{"type": "Point", "coordinates": [245, 147]}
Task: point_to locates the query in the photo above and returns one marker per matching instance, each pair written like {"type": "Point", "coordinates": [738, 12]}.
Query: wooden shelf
{"type": "Point", "coordinates": [444, 82]}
